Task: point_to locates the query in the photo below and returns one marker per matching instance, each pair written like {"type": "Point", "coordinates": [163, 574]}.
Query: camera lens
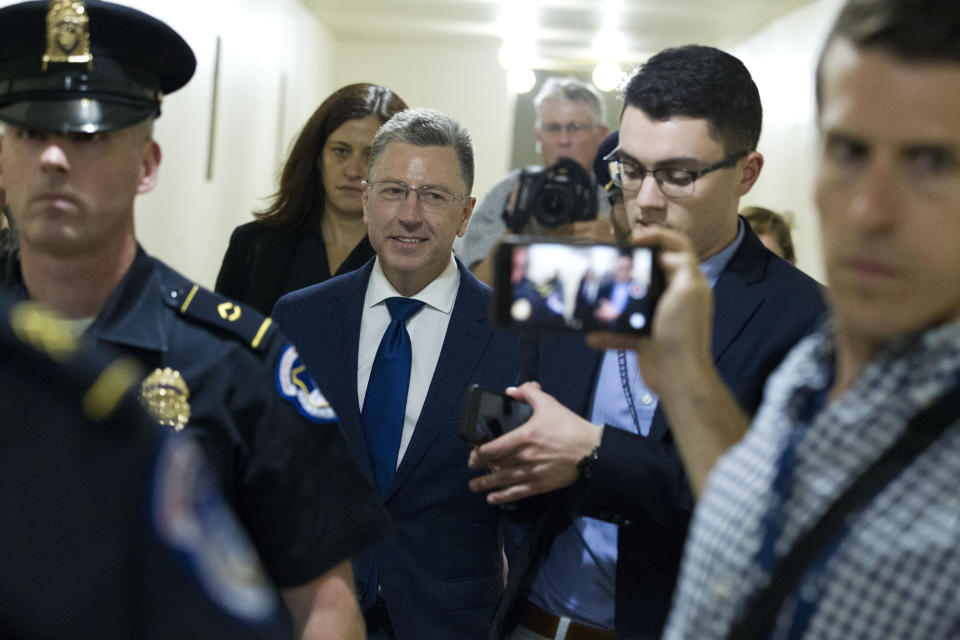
{"type": "Point", "coordinates": [555, 205]}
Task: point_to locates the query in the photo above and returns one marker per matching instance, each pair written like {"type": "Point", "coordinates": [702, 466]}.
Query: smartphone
{"type": "Point", "coordinates": [562, 285]}
{"type": "Point", "coordinates": [489, 414]}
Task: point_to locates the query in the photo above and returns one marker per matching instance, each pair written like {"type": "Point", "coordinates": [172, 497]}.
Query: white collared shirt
{"type": "Point", "coordinates": [427, 329]}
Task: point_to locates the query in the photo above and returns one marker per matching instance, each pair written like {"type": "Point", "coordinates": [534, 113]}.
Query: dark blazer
{"type": "Point", "coordinates": [585, 307]}
{"type": "Point", "coordinates": [763, 306]}
{"type": "Point", "coordinates": [262, 263]}
{"type": "Point", "coordinates": [441, 572]}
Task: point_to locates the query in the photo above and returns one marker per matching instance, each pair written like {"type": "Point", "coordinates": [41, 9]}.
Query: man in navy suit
{"type": "Point", "coordinates": [602, 554]}
{"type": "Point", "coordinates": [441, 573]}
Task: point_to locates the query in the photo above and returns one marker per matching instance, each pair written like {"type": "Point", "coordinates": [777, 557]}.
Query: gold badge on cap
{"type": "Point", "coordinates": [68, 33]}
{"type": "Point", "coordinates": [165, 396]}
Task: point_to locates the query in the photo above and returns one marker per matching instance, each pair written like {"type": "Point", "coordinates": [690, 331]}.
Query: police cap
{"type": "Point", "coordinates": [90, 66]}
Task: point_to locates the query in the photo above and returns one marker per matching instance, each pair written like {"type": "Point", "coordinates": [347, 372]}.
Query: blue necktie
{"type": "Point", "coordinates": [386, 399]}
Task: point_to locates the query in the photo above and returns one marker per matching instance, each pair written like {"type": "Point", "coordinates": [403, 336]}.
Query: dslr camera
{"type": "Point", "coordinates": [553, 196]}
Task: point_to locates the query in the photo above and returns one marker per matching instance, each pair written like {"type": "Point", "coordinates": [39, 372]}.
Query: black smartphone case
{"type": "Point", "coordinates": [489, 414]}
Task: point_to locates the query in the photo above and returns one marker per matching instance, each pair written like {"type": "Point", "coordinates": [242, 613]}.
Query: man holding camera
{"type": "Point", "coordinates": [399, 341]}
{"type": "Point", "coordinates": [569, 124]}
{"type": "Point", "coordinates": [687, 153]}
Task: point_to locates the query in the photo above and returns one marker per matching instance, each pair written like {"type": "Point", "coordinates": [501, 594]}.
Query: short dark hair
{"type": "Point", "coordinates": [763, 220]}
{"type": "Point", "coordinates": [700, 82]}
{"type": "Point", "coordinates": [299, 201]}
{"type": "Point", "coordinates": [427, 128]}
{"type": "Point", "coordinates": [914, 30]}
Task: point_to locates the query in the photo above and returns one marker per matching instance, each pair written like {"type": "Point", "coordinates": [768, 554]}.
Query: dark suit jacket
{"type": "Point", "coordinates": [763, 306]}
{"type": "Point", "coordinates": [585, 307]}
{"type": "Point", "coordinates": [441, 571]}
{"type": "Point", "coordinates": [262, 263]}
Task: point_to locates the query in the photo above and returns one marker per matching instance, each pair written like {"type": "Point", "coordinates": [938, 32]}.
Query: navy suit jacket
{"type": "Point", "coordinates": [762, 307]}
{"type": "Point", "coordinates": [441, 571]}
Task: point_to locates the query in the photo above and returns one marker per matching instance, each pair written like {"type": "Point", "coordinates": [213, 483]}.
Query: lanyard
{"type": "Point", "coordinates": [812, 583]}
{"type": "Point", "coordinates": [625, 381]}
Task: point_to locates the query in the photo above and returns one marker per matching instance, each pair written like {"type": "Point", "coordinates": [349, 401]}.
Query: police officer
{"type": "Point", "coordinates": [101, 508]}
{"type": "Point", "coordinates": [80, 86]}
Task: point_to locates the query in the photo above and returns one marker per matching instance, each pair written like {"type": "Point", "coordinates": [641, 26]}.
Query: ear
{"type": "Point", "coordinates": [149, 167]}
{"type": "Point", "coordinates": [467, 212]}
{"type": "Point", "coordinates": [752, 165]}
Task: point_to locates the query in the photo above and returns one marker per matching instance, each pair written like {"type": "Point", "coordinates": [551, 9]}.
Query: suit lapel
{"type": "Point", "coordinates": [467, 336]}
{"type": "Point", "coordinates": [735, 297]}
{"type": "Point", "coordinates": [340, 320]}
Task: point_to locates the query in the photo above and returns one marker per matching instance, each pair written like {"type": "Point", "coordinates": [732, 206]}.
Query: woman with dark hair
{"type": "Point", "coordinates": [314, 227]}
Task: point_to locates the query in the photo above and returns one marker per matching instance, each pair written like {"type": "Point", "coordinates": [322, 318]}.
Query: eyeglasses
{"type": "Point", "coordinates": [572, 128]}
{"type": "Point", "coordinates": [393, 192]}
{"type": "Point", "coordinates": [673, 183]}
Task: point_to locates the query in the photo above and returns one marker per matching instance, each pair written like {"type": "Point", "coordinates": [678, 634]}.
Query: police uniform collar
{"type": "Point", "coordinates": [134, 315]}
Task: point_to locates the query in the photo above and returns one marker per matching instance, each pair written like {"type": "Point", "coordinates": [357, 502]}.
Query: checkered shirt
{"type": "Point", "coordinates": [896, 574]}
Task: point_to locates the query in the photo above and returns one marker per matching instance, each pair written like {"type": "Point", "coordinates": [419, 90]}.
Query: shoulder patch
{"type": "Point", "coordinates": [193, 301]}
{"type": "Point", "coordinates": [299, 387]}
{"type": "Point", "coordinates": [193, 518]}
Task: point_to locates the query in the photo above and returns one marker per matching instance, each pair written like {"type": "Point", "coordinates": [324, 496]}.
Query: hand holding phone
{"type": "Point", "coordinates": [489, 414]}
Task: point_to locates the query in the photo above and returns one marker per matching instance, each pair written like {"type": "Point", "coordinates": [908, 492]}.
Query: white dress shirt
{"type": "Point", "coordinates": [427, 329]}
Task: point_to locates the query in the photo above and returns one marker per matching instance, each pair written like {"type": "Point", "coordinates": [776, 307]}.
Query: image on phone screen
{"type": "Point", "coordinates": [579, 287]}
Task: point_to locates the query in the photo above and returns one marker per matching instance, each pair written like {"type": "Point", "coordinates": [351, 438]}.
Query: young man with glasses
{"type": "Point", "coordinates": [603, 555]}
{"type": "Point", "coordinates": [401, 339]}
{"type": "Point", "coordinates": [570, 117]}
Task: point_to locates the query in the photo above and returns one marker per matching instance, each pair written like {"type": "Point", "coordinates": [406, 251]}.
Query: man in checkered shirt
{"type": "Point", "coordinates": [888, 192]}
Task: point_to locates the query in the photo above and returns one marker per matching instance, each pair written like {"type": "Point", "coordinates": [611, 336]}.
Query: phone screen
{"type": "Point", "coordinates": [578, 287]}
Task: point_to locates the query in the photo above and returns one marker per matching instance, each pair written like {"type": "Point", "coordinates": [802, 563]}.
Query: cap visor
{"type": "Point", "coordinates": [75, 115]}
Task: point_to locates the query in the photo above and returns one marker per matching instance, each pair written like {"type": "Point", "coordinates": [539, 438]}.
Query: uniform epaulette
{"type": "Point", "coordinates": [193, 301]}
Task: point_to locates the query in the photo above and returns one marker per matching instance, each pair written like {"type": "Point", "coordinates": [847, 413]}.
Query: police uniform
{"type": "Point", "coordinates": [112, 528]}
{"type": "Point", "coordinates": [219, 369]}
{"type": "Point", "coordinates": [227, 373]}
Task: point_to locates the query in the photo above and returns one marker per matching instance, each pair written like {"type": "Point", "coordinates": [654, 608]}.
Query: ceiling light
{"type": "Point", "coordinates": [520, 79]}
{"type": "Point", "coordinates": [610, 44]}
{"type": "Point", "coordinates": [516, 52]}
{"type": "Point", "coordinates": [607, 75]}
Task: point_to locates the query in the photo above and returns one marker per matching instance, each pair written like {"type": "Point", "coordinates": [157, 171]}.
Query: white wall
{"type": "Point", "coordinates": [782, 59]}
{"type": "Point", "coordinates": [462, 79]}
{"type": "Point", "coordinates": [187, 220]}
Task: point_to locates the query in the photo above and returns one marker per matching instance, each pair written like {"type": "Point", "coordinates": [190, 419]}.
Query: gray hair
{"type": "Point", "coordinates": [426, 128]}
{"type": "Point", "coordinates": [573, 90]}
